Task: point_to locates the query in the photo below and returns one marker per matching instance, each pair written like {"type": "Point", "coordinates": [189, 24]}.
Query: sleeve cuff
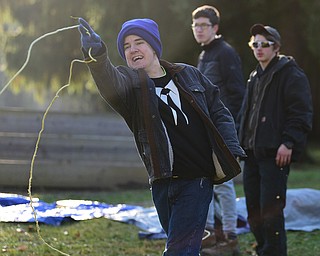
{"type": "Point", "coordinates": [288, 144]}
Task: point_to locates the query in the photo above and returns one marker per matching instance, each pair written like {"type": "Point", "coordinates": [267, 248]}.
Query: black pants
{"type": "Point", "coordinates": [265, 186]}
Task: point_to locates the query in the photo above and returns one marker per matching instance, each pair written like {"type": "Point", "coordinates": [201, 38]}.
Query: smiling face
{"type": "Point", "coordinates": [139, 54]}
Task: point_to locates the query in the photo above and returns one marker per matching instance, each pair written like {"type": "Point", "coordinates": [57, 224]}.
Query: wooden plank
{"type": "Point", "coordinates": [73, 176]}
{"type": "Point", "coordinates": [75, 151]}
{"type": "Point", "coordinates": [26, 121]}
{"type": "Point", "coordinates": [72, 148]}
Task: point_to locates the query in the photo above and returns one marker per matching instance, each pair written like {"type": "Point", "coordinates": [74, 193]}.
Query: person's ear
{"type": "Point", "coordinates": [215, 28]}
{"type": "Point", "coordinates": [276, 48]}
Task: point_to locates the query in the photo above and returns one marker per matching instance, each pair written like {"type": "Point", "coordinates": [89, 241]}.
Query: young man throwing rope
{"type": "Point", "coordinates": [183, 132]}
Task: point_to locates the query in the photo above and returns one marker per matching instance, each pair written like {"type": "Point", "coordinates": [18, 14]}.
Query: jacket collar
{"type": "Point", "coordinates": [277, 63]}
{"type": "Point", "coordinates": [213, 43]}
{"type": "Point", "coordinates": [172, 68]}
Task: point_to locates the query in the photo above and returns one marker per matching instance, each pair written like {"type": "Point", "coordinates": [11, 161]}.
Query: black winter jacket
{"type": "Point", "coordinates": [221, 64]}
{"type": "Point", "coordinates": [284, 109]}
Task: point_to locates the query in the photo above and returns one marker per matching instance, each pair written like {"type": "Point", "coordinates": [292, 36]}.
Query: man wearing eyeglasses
{"type": "Point", "coordinates": [221, 64]}
{"type": "Point", "coordinates": [276, 116]}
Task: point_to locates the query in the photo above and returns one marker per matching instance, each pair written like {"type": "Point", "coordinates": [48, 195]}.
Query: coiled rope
{"type": "Point", "coordinates": [43, 120]}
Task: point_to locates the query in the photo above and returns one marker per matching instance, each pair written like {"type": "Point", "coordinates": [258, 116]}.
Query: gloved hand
{"type": "Point", "coordinates": [89, 38]}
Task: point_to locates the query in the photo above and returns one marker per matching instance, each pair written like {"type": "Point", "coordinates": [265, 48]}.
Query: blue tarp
{"type": "Point", "coordinates": [301, 213]}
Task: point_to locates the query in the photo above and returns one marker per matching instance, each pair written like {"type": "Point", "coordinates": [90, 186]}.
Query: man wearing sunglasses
{"type": "Point", "coordinates": [275, 118]}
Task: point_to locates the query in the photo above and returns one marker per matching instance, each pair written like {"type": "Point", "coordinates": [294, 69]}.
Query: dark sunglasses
{"type": "Point", "coordinates": [263, 44]}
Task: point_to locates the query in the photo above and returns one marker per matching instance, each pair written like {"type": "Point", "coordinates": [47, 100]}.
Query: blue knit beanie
{"type": "Point", "coordinates": [146, 29]}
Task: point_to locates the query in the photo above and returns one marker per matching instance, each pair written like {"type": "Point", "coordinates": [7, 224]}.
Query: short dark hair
{"type": "Point", "coordinates": [207, 11]}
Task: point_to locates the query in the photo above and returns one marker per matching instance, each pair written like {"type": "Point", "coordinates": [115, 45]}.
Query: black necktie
{"type": "Point", "coordinates": [172, 98]}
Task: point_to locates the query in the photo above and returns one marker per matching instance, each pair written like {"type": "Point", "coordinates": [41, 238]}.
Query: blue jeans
{"type": "Point", "coordinates": [224, 206]}
{"type": "Point", "coordinates": [182, 206]}
{"type": "Point", "coordinates": [265, 186]}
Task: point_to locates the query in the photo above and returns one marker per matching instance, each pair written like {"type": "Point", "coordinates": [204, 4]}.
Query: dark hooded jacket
{"type": "Point", "coordinates": [277, 109]}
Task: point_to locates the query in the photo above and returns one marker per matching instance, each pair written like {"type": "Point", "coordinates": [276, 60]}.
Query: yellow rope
{"type": "Point", "coordinates": [29, 53]}
{"type": "Point", "coordinates": [43, 121]}
{"type": "Point", "coordinates": [36, 150]}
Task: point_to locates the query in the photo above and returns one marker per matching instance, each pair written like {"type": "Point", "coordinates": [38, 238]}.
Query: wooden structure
{"type": "Point", "coordinates": [76, 151]}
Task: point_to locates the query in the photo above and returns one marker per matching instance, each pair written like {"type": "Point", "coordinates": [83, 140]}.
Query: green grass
{"type": "Point", "coordinates": [103, 237]}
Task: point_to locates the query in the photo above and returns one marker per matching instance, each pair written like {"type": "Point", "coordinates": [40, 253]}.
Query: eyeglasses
{"type": "Point", "coordinates": [263, 44]}
{"type": "Point", "coordinates": [203, 26]}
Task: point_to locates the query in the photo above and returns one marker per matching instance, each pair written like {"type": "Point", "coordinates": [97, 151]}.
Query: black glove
{"type": "Point", "coordinates": [89, 38]}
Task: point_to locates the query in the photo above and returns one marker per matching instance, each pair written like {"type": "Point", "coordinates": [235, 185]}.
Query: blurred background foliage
{"type": "Point", "coordinates": [22, 21]}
